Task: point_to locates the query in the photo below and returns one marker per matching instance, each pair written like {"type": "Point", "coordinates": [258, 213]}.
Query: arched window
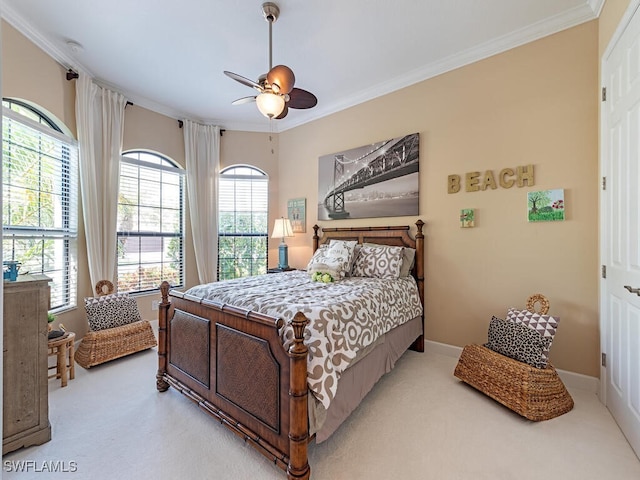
{"type": "Point", "coordinates": [40, 198]}
{"type": "Point", "coordinates": [243, 218]}
{"type": "Point", "coordinates": [150, 222]}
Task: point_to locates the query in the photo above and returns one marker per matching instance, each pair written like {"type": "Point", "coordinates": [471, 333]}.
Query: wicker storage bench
{"type": "Point", "coordinates": [535, 393]}
{"type": "Point", "coordinates": [104, 345]}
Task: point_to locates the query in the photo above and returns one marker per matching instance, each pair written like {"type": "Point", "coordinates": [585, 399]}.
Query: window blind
{"type": "Point", "coordinates": [150, 223]}
{"type": "Point", "coordinates": [40, 203]}
{"type": "Point", "coordinates": [243, 194]}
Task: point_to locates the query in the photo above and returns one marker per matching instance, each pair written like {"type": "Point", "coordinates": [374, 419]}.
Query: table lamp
{"type": "Point", "coordinates": [281, 229]}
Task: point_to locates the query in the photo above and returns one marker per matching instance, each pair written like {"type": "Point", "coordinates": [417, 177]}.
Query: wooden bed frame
{"type": "Point", "coordinates": [262, 397]}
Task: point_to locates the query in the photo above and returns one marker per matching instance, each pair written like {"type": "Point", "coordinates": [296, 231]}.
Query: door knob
{"type": "Point", "coordinates": [633, 290]}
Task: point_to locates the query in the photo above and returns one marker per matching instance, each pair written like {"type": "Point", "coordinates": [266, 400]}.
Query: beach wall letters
{"type": "Point", "coordinates": [506, 178]}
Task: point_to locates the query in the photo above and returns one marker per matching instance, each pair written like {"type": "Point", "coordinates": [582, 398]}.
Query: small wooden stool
{"type": "Point", "coordinates": [62, 348]}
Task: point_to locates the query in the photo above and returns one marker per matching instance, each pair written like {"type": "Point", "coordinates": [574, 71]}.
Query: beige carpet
{"type": "Point", "coordinates": [419, 422]}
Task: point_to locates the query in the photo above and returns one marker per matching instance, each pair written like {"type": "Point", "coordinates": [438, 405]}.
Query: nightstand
{"type": "Point", "coordinates": [278, 269]}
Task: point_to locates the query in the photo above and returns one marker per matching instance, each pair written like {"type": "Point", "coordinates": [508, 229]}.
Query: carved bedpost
{"type": "Point", "coordinates": [298, 468]}
{"type": "Point", "coordinates": [163, 313]}
{"type": "Point", "coordinates": [418, 345]}
{"type": "Point", "coordinates": [420, 258]}
{"type": "Point", "coordinates": [316, 238]}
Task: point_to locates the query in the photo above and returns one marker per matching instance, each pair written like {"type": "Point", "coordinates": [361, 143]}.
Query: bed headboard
{"type": "Point", "coordinates": [389, 235]}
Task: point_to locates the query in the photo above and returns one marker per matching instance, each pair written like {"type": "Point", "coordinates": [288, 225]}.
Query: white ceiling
{"type": "Point", "coordinates": [169, 55]}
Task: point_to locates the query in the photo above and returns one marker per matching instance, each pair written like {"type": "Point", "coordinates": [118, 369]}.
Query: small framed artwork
{"type": "Point", "coordinates": [297, 213]}
{"type": "Point", "coordinates": [545, 205]}
{"type": "Point", "coordinates": [467, 218]}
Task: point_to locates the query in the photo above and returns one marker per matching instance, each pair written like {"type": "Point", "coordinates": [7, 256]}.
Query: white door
{"type": "Point", "coordinates": [620, 227]}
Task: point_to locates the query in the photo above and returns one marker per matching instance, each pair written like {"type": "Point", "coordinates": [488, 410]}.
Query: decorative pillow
{"type": "Point", "coordinates": [321, 268]}
{"type": "Point", "coordinates": [378, 262]}
{"type": "Point", "coordinates": [545, 325]}
{"type": "Point", "coordinates": [517, 341]}
{"type": "Point", "coordinates": [334, 257]}
{"type": "Point", "coordinates": [344, 249]}
{"type": "Point", "coordinates": [104, 298]}
{"type": "Point", "coordinates": [111, 311]}
{"type": "Point", "coordinates": [318, 255]}
{"type": "Point", "coordinates": [408, 257]}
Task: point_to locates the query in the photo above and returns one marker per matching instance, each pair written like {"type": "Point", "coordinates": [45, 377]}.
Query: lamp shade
{"type": "Point", "coordinates": [270, 104]}
{"type": "Point", "coordinates": [282, 228]}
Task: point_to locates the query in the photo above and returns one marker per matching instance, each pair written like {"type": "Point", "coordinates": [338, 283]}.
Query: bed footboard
{"type": "Point", "coordinates": [231, 362]}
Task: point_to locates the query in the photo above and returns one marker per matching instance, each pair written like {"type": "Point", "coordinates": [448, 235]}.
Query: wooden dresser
{"type": "Point", "coordinates": [25, 413]}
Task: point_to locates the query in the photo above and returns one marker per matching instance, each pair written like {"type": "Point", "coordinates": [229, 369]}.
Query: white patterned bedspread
{"type": "Point", "coordinates": [345, 316]}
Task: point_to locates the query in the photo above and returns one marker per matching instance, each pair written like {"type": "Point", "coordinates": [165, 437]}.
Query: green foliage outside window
{"type": "Point", "coordinates": [242, 223]}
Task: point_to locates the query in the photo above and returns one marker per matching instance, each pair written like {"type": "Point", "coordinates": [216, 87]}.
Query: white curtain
{"type": "Point", "coordinates": [100, 123]}
{"type": "Point", "coordinates": [202, 153]}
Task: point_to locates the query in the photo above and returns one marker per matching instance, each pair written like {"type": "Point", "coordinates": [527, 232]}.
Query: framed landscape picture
{"type": "Point", "coordinates": [546, 205]}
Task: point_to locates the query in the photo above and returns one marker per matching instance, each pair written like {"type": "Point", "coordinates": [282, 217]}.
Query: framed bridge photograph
{"type": "Point", "coordinates": [377, 180]}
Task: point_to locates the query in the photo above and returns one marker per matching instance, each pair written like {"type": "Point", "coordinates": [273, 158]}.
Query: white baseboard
{"type": "Point", "coordinates": [443, 348]}
{"type": "Point", "coordinates": [570, 379]}
{"type": "Point", "coordinates": [580, 381]}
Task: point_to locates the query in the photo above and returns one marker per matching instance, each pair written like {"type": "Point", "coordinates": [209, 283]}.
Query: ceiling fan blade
{"type": "Point", "coordinates": [243, 100]}
{"type": "Point", "coordinates": [283, 77]}
{"type": "Point", "coordinates": [299, 98]}
{"type": "Point", "coordinates": [243, 80]}
{"type": "Point", "coordinates": [284, 113]}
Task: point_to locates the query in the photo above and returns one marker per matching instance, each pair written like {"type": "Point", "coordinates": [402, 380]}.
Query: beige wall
{"type": "Point", "coordinates": [536, 104]}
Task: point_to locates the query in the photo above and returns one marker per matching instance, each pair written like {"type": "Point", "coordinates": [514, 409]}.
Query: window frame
{"type": "Point", "coordinates": [64, 276]}
{"type": "Point", "coordinates": [165, 164]}
{"type": "Point", "coordinates": [262, 176]}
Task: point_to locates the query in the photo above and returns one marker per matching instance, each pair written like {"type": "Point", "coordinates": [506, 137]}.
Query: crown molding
{"type": "Point", "coordinates": [596, 6]}
{"type": "Point", "coordinates": [26, 29]}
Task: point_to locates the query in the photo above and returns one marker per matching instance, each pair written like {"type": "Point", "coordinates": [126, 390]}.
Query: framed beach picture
{"type": "Point", "coordinates": [297, 213]}
{"type": "Point", "coordinates": [545, 205]}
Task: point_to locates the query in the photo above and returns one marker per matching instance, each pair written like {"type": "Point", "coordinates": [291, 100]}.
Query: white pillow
{"type": "Point", "coordinates": [343, 251]}
{"type": "Point", "coordinates": [337, 256]}
{"type": "Point", "coordinates": [322, 261]}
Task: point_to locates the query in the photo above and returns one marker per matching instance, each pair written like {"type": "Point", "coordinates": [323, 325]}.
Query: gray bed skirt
{"type": "Point", "coordinates": [360, 377]}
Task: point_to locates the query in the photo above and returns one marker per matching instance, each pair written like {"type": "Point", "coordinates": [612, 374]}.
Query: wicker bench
{"type": "Point", "coordinates": [105, 345]}
{"type": "Point", "coordinates": [535, 393]}
{"type": "Point", "coordinates": [102, 346]}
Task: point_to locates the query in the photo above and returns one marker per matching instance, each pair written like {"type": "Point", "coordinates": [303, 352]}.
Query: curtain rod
{"type": "Point", "coordinates": [181, 124]}
{"type": "Point", "coordinates": [71, 75]}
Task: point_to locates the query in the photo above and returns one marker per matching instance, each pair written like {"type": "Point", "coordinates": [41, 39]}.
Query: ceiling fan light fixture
{"type": "Point", "coordinates": [270, 104]}
{"type": "Point", "coordinates": [277, 92]}
{"type": "Point", "coordinates": [283, 77]}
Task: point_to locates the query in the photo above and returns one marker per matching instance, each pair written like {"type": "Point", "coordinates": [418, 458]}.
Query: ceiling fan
{"type": "Point", "coordinates": [276, 91]}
